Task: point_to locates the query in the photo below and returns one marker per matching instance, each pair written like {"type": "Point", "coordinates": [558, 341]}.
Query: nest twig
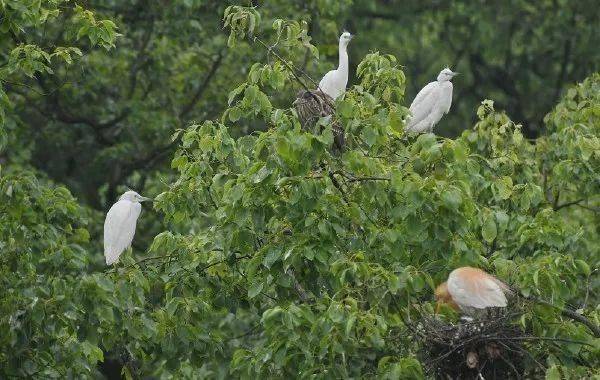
{"type": "Point", "coordinates": [490, 347]}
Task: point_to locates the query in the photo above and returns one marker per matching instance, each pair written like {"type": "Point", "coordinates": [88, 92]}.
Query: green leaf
{"type": "Point", "coordinates": [349, 325]}
{"type": "Point", "coordinates": [92, 352]}
{"type": "Point", "coordinates": [234, 114]}
{"type": "Point", "coordinates": [255, 289]}
{"type": "Point", "coordinates": [452, 199]}
{"type": "Point", "coordinates": [489, 230]}
{"type": "Point", "coordinates": [584, 267]}
{"type": "Point", "coordinates": [504, 187]}
{"type": "Point", "coordinates": [553, 373]}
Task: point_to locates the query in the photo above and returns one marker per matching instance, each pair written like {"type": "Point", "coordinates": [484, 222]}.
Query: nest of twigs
{"type": "Point", "coordinates": [313, 105]}
{"type": "Point", "coordinates": [488, 347]}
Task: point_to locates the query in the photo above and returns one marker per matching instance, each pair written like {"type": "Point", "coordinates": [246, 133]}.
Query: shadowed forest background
{"type": "Point", "coordinates": [161, 97]}
{"type": "Point", "coordinates": [107, 121]}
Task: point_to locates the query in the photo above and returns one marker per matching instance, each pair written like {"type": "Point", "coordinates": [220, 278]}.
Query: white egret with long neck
{"type": "Point", "coordinates": [431, 103]}
{"type": "Point", "coordinates": [334, 82]}
{"type": "Point", "coordinates": [119, 225]}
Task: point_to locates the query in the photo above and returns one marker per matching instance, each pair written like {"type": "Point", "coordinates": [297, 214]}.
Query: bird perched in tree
{"type": "Point", "coordinates": [119, 225]}
{"type": "Point", "coordinates": [431, 103]}
{"type": "Point", "coordinates": [334, 82]}
{"type": "Point", "coordinates": [311, 106]}
{"type": "Point", "coordinates": [470, 289]}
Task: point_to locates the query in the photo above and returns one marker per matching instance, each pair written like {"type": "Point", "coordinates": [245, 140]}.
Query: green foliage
{"type": "Point", "coordinates": [276, 257]}
{"type": "Point", "coordinates": [31, 59]}
{"type": "Point", "coordinates": [329, 253]}
{"type": "Point", "coordinates": [241, 21]}
{"type": "Point", "coordinates": [169, 66]}
{"type": "Point", "coordinates": [43, 241]}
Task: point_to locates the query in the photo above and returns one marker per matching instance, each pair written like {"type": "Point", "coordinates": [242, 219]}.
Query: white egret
{"type": "Point", "coordinates": [471, 289]}
{"type": "Point", "coordinates": [431, 103]}
{"type": "Point", "coordinates": [119, 225]}
{"type": "Point", "coordinates": [334, 82]}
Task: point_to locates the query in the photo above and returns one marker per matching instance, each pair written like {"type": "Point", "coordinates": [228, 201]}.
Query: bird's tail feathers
{"type": "Point", "coordinates": [111, 255]}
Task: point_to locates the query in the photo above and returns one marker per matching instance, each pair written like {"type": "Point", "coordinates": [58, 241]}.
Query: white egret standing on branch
{"type": "Point", "coordinates": [471, 289]}
{"type": "Point", "coordinates": [334, 82]}
{"type": "Point", "coordinates": [431, 103]}
{"type": "Point", "coordinates": [119, 225]}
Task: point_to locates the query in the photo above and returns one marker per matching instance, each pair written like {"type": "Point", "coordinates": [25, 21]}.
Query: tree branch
{"type": "Point", "coordinates": [570, 314]}
{"type": "Point", "coordinates": [141, 59]}
{"type": "Point", "coordinates": [557, 207]}
{"type": "Point", "coordinates": [203, 86]}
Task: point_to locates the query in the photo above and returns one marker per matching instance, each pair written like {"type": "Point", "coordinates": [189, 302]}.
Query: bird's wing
{"type": "Point", "coordinates": [477, 292]}
{"type": "Point", "coordinates": [334, 83]}
{"type": "Point", "coordinates": [489, 294]}
{"type": "Point", "coordinates": [119, 228]}
{"type": "Point", "coordinates": [446, 96]}
{"type": "Point", "coordinates": [423, 103]}
{"type": "Point", "coordinates": [327, 81]}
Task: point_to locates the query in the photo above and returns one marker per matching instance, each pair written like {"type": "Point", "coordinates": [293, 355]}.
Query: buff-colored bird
{"type": "Point", "coordinates": [471, 289]}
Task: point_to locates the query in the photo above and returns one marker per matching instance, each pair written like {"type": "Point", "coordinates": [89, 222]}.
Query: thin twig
{"type": "Point", "coordinates": [544, 338]}
{"type": "Point", "coordinates": [283, 61]}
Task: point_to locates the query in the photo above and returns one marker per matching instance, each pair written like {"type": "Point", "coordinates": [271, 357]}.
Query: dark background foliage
{"type": "Point", "coordinates": [107, 121]}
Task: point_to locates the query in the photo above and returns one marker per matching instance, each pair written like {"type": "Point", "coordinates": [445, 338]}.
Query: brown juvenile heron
{"type": "Point", "coordinates": [313, 105]}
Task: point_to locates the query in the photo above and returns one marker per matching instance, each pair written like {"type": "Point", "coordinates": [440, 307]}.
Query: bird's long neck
{"type": "Point", "coordinates": [343, 64]}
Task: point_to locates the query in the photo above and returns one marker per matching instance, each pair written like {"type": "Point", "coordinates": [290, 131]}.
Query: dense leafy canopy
{"type": "Point", "coordinates": [272, 255]}
{"type": "Point", "coordinates": [105, 120]}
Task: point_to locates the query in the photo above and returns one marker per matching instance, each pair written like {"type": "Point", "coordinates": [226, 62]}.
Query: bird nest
{"type": "Point", "coordinates": [311, 106]}
{"type": "Point", "coordinates": [489, 347]}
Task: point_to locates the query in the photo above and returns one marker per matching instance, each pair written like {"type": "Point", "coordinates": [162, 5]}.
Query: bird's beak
{"type": "Point", "coordinates": [144, 199]}
{"type": "Point", "coordinates": [351, 36]}
{"type": "Point", "coordinates": [437, 307]}
{"type": "Point", "coordinates": [455, 74]}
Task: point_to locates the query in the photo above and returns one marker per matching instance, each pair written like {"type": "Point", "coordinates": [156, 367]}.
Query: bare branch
{"type": "Point", "coordinates": [557, 207]}
{"type": "Point", "coordinates": [203, 86]}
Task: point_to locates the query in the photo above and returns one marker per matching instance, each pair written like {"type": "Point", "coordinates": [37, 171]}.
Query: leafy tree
{"type": "Point", "coordinates": [518, 53]}
{"type": "Point", "coordinates": [276, 257]}
{"type": "Point", "coordinates": [106, 120]}
{"type": "Point", "coordinates": [326, 255]}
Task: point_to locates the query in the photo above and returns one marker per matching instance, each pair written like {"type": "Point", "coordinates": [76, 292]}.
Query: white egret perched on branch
{"type": "Point", "coordinates": [471, 289]}
{"type": "Point", "coordinates": [334, 82]}
{"type": "Point", "coordinates": [119, 225]}
{"type": "Point", "coordinates": [431, 103]}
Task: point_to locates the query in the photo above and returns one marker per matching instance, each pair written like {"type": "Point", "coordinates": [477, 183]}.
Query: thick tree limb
{"type": "Point", "coordinates": [204, 85]}
{"type": "Point", "coordinates": [570, 314]}
{"type": "Point", "coordinates": [557, 207]}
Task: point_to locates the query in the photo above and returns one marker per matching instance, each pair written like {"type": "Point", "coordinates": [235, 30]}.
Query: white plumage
{"type": "Point", "coordinates": [334, 82]}
{"type": "Point", "coordinates": [119, 225]}
{"type": "Point", "coordinates": [431, 103]}
{"type": "Point", "coordinates": [472, 288]}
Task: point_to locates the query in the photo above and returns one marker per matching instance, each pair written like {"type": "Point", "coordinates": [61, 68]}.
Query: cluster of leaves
{"type": "Point", "coordinates": [43, 240]}
{"type": "Point", "coordinates": [28, 59]}
{"type": "Point", "coordinates": [277, 257]}
{"type": "Point", "coordinates": [83, 123]}
{"type": "Point", "coordinates": [62, 316]}
{"type": "Point", "coordinates": [327, 255]}
{"type": "Point", "coordinates": [104, 122]}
